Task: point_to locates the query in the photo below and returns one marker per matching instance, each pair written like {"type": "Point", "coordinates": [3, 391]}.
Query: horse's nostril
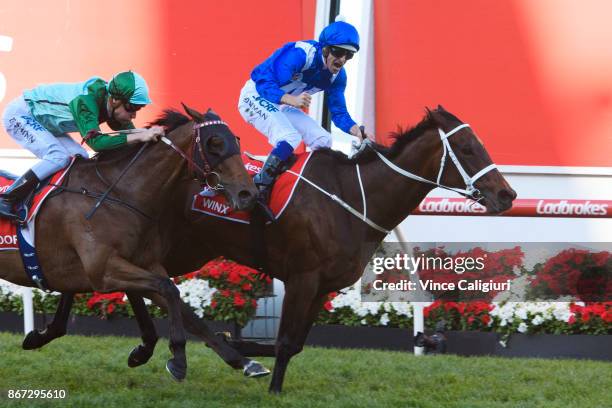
{"type": "Point", "coordinates": [245, 196]}
{"type": "Point", "coordinates": [506, 196]}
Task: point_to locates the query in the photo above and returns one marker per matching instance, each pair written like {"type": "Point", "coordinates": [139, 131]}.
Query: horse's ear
{"type": "Point", "coordinates": [435, 115]}
{"type": "Point", "coordinates": [211, 112]}
{"type": "Point", "coordinates": [441, 108]}
{"type": "Point", "coordinates": [195, 115]}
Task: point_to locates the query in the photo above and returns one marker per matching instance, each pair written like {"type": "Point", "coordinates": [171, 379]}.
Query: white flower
{"type": "Point", "coordinates": [197, 294]}
{"type": "Point", "coordinates": [522, 327]}
{"type": "Point", "coordinates": [384, 319]}
{"type": "Point", "coordinates": [537, 320]}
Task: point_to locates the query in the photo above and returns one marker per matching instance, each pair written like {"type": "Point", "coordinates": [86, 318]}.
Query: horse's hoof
{"type": "Point", "coordinates": [255, 369]}
{"type": "Point", "coordinates": [273, 391]}
{"type": "Point", "coordinates": [34, 340]}
{"type": "Point", "coordinates": [139, 355]}
{"type": "Point", "coordinates": [178, 372]}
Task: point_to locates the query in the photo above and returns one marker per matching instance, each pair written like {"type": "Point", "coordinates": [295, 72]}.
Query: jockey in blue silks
{"type": "Point", "coordinates": [280, 87]}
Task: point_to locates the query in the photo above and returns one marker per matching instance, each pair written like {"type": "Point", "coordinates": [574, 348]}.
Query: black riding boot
{"type": "Point", "coordinates": [16, 193]}
{"type": "Point", "coordinates": [264, 181]}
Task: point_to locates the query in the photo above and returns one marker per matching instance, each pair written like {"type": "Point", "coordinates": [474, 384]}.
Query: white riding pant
{"type": "Point", "coordinates": [280, 122]}
{"type": "Point", "coordinates": [54, 151]}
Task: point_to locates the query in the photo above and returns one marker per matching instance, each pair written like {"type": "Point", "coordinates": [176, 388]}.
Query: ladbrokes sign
{"type": "Point", "coordinates": [526, 207]}
{"type": "Point", "coordinates": [573, 207]}
{"type": "Point", "coordinates": [450, 205]}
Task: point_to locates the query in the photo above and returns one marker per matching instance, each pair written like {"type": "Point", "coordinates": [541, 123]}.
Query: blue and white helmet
{"type": "Point", "coordinates": [340, 34]}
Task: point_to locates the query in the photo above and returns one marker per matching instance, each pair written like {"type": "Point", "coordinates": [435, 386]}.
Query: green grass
{"type": "Point", "coordinates": [94, 372]}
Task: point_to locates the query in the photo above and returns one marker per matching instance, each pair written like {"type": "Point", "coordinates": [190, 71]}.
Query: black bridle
{"type": "Point", "coordinates": [201, 162]}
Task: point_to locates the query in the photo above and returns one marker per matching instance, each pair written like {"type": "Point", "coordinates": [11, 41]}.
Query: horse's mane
{"type": "Point", "coordinates": [170, 119]}
{"type": "Point", "coordinates": [401, 138]}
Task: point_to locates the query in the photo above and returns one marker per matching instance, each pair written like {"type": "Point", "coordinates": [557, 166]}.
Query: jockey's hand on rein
{"type": "Point", "coordinates": [359, 132]}
{"type": "Point", "coordinates": [146, 135]}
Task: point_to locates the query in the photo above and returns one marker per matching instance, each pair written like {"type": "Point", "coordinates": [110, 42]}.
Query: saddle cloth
{"type": "Point", "coordinates": [214, 204]}
{"type": "Point", "coordinates": [8, 229]}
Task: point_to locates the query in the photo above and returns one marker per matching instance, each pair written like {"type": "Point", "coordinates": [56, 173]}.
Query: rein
{"type": "Point", "coordinates": [469, 192]}
{"type": "Point", "coordinates": [205, 172]}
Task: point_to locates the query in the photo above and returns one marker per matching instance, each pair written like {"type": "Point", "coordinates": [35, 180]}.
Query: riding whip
{"type": "Point", "coordinates": [105, 195]}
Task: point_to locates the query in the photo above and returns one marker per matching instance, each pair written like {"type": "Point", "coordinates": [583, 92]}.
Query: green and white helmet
{"type": "Point", "coordinates": [130, 87]}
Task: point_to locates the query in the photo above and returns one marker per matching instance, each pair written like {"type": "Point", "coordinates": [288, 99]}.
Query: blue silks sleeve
{"type": "Point", "coordinates": [278, 71]}
{"type": "Point", "coordinates": [337, 104]}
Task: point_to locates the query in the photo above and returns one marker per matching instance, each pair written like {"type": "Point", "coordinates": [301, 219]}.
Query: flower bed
{"type": "Point", "coordinates": [222, 290]}
{"type": "Point", "coordinates": [497, 266]}
{"type": "Point", "coordinates": [575, 272]}
{"type": "Point", "coordinates": [226, 291]}
{"type": "Point", "coordinates": [504, 318]}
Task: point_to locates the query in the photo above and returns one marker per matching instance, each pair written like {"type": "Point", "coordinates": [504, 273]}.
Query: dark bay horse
{"type": "Point", "coordinates": [318, 247]}
{"type": "Point", "coordinates": [120, 249]}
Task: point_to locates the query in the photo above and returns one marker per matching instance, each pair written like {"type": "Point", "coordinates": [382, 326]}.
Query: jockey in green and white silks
{"type": "Point", "coordinates": [41, 118]}
{"type": "Point", "coordinates": [279, 88]}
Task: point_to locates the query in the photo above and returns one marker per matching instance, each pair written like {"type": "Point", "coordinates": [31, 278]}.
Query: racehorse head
{"type": "Point", "coordinates": [216, 147]}
{"type": "Point", "coordinates": [466, 166]}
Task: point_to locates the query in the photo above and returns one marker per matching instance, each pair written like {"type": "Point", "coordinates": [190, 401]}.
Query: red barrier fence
{"type": "Point", "coordinates": [520, 208]}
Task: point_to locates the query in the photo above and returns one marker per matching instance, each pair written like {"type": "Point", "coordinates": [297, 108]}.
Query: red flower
{"type": "Point", "coordinates": [215, 273]}
{"type": "Point", "coordinates": [572, 319]}
{"type": "Point", "coordinates": [225, 293]}
{"type": "Point", "coordinates": [485, 319]}
{"type": "Point", "coordinates": [191, 275]}
{"type": "Point", "coordinates": [247, 287]}
{"type": "Point", "coordinates": [328, 306]}
{"type": "Point", "coordinates": [600, 258]}
{"type": "Point", "coordinates": [234, 277]}
{"type": "Point", "coordinates": [213, 304]}
{"type": "Point", "coordinates": [239, 301]}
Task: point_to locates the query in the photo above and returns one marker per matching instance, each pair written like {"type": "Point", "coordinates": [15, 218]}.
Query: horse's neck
{"type": "Point", "coordinates": [390, 196]}
{"type": "Point", "coordinates": [159, 169]}
{"type": "Point", "coordinates": [165, 165]}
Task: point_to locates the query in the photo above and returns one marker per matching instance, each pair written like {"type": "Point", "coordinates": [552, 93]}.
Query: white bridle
{"type": "Point", "coordinates": [469, 191]}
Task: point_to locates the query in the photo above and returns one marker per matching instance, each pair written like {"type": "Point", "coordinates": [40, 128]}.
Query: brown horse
{"type": "Point", "coordinates": [317, 246]}
{"type": "Point", "coordinates": [121, 248]}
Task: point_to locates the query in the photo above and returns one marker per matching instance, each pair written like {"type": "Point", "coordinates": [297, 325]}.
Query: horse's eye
{"type": "Point", "coordinates": [215, 144]}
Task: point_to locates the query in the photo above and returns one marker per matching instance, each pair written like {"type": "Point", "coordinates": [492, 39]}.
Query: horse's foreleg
{"type": "Point", "coordinates": [300, 307]}
{"type": "Point", "coordinates": [142, 353]}
{"type": "Point", "coordinates": [196, 326]}
{"type": "Point", "coordinates": [57, 328]}
{"type": "Point", "coordinates": [123, 275]}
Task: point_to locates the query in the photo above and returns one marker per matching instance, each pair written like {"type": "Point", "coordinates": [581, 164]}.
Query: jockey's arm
{"type": "Point", "coordinates": [340, 116]}
{"type": "Point", "coordinates": [268, 84]}
{"type": "Point", "coordinates": [337, 105]}
{"type": "Point", "coordinates": [85, 111]}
